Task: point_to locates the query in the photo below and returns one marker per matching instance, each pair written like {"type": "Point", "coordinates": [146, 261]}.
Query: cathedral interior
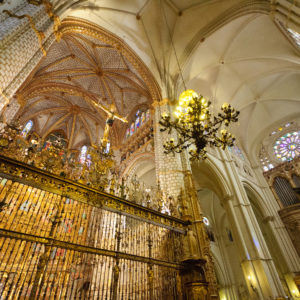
{"type": "Point", "coordinates": [93, 206]}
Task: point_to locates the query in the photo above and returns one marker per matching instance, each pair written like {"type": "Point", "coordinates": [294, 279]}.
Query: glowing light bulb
{"type": "Point", "coordinates": [225, 105]}
{"type": "Point", "coordinates": [187, 96]}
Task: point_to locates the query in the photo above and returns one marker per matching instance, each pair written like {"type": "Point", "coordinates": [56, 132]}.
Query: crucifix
{"type": "Point", "coordinates": [111, 116]}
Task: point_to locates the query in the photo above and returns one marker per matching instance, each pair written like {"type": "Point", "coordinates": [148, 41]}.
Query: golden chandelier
{"type": "Point", "coordinates": [196, 126]}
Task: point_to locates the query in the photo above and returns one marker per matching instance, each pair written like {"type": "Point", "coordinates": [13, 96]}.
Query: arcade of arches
{"type": "Point", "coordinates": [90, 205]}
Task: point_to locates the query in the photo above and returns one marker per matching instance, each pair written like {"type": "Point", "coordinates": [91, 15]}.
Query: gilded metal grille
{"type": "Point", "coordinates": [56, 247]}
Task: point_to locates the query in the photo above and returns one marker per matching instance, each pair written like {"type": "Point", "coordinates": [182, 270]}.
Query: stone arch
{"type": "Point", "coordinates": [227, 266]}
{"type": "Point", "coordinates": [137, 163]}
{"type": "Point", "coordinates": [260, 202]}
{"type": "Point", "coordinates": [215, 178]}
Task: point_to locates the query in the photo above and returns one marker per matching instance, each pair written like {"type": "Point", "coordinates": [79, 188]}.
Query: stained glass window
{"type": "Point", "coordinates": [127, 133]}
{"type": "Point", "coordinates": [281, 128]}
{"type": "Point", "coordinates": [83, 153]}
{"type": "Point", "coordinates": [107, 148]}
{"type": "Point", "coordinates": [141, 117]}
{"type": "Point", "coordinates": [88, 160]}
{"type": "Point", "coordinates": [264, 160]}
{"type": "Point", "coordinates": [148, 115]}
{"type": "Point", "coordinates": [132, 128]}
{"type": "Point", "coordinates": [287, 147]}
{"type": "Point", "coordinates": [137, 123]}
{"type": "Point", "coordinates": [27, 128]}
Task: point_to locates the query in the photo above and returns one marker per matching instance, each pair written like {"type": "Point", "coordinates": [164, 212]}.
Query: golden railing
{"type": "Point", "coordinates": [63, 240]}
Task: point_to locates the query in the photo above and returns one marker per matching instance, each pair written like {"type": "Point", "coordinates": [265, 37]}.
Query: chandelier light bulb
{"type": "Point", "coordinates": [202, 117]}
{"type": "Point", "coordinates": [187, 96]}
{"type": "Point", "coordinates": [225, 105]}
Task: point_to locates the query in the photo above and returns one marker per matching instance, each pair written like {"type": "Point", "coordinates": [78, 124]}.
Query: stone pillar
{"type": "Point", "coordinates": [257, 264]}
{"type": "Point", "coordinates": [169, 170]}
{"type": "Point", "coordinates": [20, 51]}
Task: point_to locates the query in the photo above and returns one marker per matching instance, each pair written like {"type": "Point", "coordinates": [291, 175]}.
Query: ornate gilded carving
{"type": "Point", "coordinates": [53, 183]}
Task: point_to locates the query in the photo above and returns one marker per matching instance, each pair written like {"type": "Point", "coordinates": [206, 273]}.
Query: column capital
{"type": "Point", "coordinates": [227, 197]}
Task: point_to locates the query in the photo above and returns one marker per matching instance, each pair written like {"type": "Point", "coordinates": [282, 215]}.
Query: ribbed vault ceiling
{"type": "Point", "coordinates": [77, 73]}
{"type": "Point", "coordinates": [230, 51]}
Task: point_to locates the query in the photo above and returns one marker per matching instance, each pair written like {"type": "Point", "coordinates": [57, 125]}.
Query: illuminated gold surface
{"type": "Point", "coordinates": [82, 77]}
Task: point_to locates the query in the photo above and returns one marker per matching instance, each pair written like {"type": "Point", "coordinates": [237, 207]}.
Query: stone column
{"type": "Point", "coordinates": [20, 51]}
{"type": "Point", "coordinates": [169, 170]}
{"type": "Point", "coordinates": [256, 261]}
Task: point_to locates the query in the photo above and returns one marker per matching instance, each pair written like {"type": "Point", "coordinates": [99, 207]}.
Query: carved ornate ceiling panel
{"type": "Point", "coordinates": [87, 66]}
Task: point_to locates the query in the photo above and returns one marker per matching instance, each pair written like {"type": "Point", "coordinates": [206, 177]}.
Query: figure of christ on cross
{"type": "Point", "coordinates": [111, 116]}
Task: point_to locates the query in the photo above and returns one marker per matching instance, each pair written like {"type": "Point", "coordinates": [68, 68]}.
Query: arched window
{"type": "Point", "coordinates": [27, 129]}
{"type": "Point", "coordinates": [147, 115]}
{"type": "Point", "coordinates": [83, 154]}
{"type": "Point", "coordinates": [137, 120]}
{"type": "Point", "coordinates": [132, 128]}
{"type": "Point", "coordinates": [264, 160]}
{"type": "Point", "coordinates": [141, 117]}
{"type": "Point", "coordinates": [107, 148]}
{"type": "Point", "coordinates": [127, 133]}
{"type": "Point", "coordinates": [287, 147]}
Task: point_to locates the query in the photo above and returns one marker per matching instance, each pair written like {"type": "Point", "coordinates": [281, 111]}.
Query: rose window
{"type": "Point", "coordinates": [287, 147]}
